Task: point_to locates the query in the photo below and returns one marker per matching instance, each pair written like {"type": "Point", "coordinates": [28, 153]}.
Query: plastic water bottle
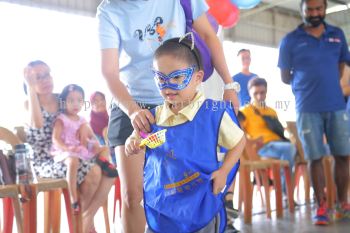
{"type": "Point", "coordinates": [23, 171]}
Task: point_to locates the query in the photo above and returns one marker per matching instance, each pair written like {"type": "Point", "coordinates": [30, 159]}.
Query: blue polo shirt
{"type": "Point", "coordinates": [243, 94]}
{"type": "Point", "coordinates": [314, 63]}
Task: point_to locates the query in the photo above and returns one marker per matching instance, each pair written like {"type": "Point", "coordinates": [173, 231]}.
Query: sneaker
{"type": "Point", "coordinates": [342, 212]}
{"type": "Point", "coordinates": [76, 208]}
{"type": "Point", "coordinates": [322, 216]}
{"type": "Point", "coordinates": [231, 229]}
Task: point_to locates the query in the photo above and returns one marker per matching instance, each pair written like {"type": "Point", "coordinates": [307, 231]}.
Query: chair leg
{"type": "Point", "coordinates": [117, 197]}
{"type": "Point", "coordinates": [55, 210]}
{"type": "Point", "coordinates": [247, 194]}
{"type": "Point", "coordinates": [278, 189]}
{"type": "Point", "coordinates": [307, 184]}
{"type": "Point", "coordinates": [18, 214]}
{"type": "Point", "coordinates": [74, 221]}
{"type": "Point", "coordinates": [30, 212]}
{"type": "Point", "coordinates": [297, 176]}
{"type": "Point", "coordinates": [8, 214]}
{"type": "Point", "coordinates": [289, 185]}
{"type": "Point", "coordinates": [240, 193]}
{"type": "Point", "coordinates": [265, 182]}
{"type": "Point", "coordinates": [47, 218]}
{"type": "Point", "coordinates": [105, 214]}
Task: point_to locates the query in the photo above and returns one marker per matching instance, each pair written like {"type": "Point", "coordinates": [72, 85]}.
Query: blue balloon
{"type": "Point", "coordinates": [245, 4]}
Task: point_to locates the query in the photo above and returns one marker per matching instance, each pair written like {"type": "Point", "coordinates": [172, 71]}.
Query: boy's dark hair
{"type": "Point", "coordinates": [181, 48]}
{"type": "Point", "coordinates": [243, 50]}
{"type": "Point", "coordinates": [257, 82]}
{"type": "Point", "coordinates": [32, 64]}
{"type": "Point", "coordinates": [65, 92]}
{"type": "Point", "coordinates": [303, 1]}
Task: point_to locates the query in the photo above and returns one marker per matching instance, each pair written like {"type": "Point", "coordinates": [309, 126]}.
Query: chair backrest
{"type": "Point", "coordinates": [292, 130]}
{"type": "Point", "coordinates": [9, 137]}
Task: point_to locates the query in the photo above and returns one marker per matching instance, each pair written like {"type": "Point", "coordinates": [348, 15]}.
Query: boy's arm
{"type": "Point", "coordinates": [132, 145]}
{"type": "Point", "coordinates": [231, 158]}
{"type": "Point", "coordinates": [56, 135]}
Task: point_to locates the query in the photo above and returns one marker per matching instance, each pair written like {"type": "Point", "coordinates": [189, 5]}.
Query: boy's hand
{"type": "Point", "coordinates": [219, 181]}
{"type": "Point", "coordinates": [132, 146]}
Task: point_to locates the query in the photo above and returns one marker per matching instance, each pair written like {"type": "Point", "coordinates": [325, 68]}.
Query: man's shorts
{"type": "Point", "coordinates": [312, 127]}
{"type": "Point", "coordinates": [119, 126]}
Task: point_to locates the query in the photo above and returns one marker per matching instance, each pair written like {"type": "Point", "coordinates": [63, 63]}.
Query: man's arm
{"type": "Point", "coordinates": [286, 76]}
{"type": "Point", "coordinates": [345, 79]}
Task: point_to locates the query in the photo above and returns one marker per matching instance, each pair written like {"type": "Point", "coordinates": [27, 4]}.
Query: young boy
{"type": "Point", "coordinates": [184, 180]}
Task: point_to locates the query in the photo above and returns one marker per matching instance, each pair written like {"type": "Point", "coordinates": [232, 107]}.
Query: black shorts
{"type": "Point", "coordinates": [119, 126]}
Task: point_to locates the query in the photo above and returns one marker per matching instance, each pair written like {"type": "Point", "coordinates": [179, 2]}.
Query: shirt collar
{"type": "Point", "coordinates": [328, 28]}
{"type": "Point", "coordinates": [189, 111]}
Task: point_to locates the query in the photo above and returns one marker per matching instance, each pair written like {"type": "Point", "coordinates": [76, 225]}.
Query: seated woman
{"type": "Point", "coordinates": [43, 107]}
{"type": "Point", "coordinates": [99, 118]}
{"type": "Point", "coordinates": [252, 121]}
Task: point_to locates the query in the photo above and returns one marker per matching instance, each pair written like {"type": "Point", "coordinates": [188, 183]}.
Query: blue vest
{"type": "Point", "coordinates": [178, 193]}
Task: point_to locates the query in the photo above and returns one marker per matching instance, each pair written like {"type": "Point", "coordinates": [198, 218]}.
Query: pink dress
{"type": "Point", "coordinates": [69, 137]}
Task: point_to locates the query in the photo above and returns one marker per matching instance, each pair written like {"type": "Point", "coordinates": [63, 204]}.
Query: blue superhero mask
{"type": "Point", "coordinates": [176, 80]}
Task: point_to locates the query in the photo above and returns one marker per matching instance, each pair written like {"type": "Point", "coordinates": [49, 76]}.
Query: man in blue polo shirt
{"type": "Point", "coordinates": [310, 59]}
{"type": "Point", "coordinates": [244, 76]}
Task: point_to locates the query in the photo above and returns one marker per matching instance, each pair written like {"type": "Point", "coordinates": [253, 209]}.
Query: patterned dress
{"type": "Point", "coordinates": [43, 162]}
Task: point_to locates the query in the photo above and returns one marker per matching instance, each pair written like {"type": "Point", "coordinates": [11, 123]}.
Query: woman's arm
{"type": "Point", "coordinates": [140, 118]}
{"type": "Point", "coordinates": [56, 135]}
{"type": "Point", "coordinates": [206, 32]}
{"type": "Point", "coordinates": [32, 105]}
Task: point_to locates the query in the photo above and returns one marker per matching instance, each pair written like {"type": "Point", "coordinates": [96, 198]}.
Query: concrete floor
{"type": "Point", "coordinates": [299, 222]}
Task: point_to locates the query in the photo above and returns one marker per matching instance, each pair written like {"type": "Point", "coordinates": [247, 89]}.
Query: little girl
{"type": "Point", "coordinates": [66, 144]}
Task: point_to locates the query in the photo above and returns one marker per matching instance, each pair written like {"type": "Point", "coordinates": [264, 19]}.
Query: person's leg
{"type": "Point", "coordinates": [311, 130]}
{"type": "Point", "coordinates": [98, 199]}
{"type": "Point", "coordinates": [90, 186]}
{"type": "Point", "coordinates": [130, 171]}
{"type": "Point", "coordinates": [131, 175]}
{"type": "Point", "coordinates": [318, 180]}
{"type": "Point", "coordinates": [71, 176]}
{"type": "Point", "coordinates": [338, 136]}
{"type": "Point", "coordinates": [342, 177]}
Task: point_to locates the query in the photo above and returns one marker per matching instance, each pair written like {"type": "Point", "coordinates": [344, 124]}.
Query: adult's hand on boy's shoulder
{"type": "Point", "coordinates": [141, 120]}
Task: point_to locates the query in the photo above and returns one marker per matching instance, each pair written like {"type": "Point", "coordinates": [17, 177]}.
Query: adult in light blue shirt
{"type": "Point", "coordinates": [129, 32]}
{"type": "Point", "coordinates": [310, 60]}
{"type": "Point", "coordinates": [244, 76]}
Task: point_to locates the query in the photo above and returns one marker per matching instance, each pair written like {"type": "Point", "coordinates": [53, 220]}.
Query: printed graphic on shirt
{"type": "Point", "coordinates": [153, 32]}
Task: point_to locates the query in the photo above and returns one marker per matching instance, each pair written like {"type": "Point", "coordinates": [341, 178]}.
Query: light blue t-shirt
{"type": "Point", "coordinates": [137, 28]}
{"type": "Point", "coordinates": [243, 94]}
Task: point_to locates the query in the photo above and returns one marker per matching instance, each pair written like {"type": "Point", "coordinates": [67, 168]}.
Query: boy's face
{"type": "Point", "coordinates": [167, 64]}
{"type": "Point", "coordinates": [99, 103]}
